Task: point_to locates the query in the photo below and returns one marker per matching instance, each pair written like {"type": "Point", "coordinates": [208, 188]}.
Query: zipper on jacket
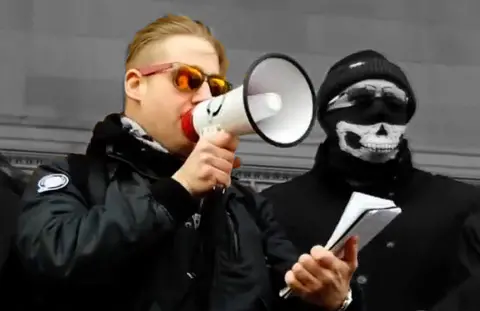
{"type": "Point", "coordinates": [233, 230]}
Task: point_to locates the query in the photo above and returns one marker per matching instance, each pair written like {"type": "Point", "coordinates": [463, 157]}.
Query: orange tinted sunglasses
{"type": "Point", "coordinates": [188, 78]}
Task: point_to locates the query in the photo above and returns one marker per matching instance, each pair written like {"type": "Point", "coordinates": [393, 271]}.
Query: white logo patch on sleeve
{"type": "Point", "coordinates": [52, 182]}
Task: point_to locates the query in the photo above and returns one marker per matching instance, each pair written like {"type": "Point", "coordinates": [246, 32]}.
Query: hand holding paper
{"type": "Point", "coordinates": [364, 217]}
{"type": "Point", "coordinates": [323, 279]}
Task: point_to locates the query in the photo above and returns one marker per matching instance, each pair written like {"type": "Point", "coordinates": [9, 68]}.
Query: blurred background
{"type": "Point", "coordinates": [62, 68]}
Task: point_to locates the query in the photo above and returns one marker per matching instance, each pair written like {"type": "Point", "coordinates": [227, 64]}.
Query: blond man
{"type": "Point", "coordinates": [134, 225]}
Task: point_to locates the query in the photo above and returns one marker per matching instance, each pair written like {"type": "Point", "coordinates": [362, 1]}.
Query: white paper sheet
{"type": "Point", "coordinates": [358, 204]}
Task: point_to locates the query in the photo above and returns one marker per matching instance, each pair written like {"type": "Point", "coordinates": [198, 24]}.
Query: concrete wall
{"type": "Point", "coordinates": [61, 64]}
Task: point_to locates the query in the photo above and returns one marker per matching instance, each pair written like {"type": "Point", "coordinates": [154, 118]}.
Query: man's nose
{"type": "Point", "coordinates": [203, 93]}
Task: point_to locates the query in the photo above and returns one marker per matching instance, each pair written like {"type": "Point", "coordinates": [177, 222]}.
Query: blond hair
{"type": "Point", "coordinates": [170, 25]}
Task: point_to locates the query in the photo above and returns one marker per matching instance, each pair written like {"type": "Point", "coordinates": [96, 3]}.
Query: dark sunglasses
{"type": "Point", "coordinates": [366, 94]}
{"type": "Point", "coordinates": [187, 78]}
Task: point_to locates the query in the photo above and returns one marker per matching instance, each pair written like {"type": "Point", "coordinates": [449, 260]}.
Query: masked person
{"type": "Point", "coordinates": [135, 225]}
{"type": "Point", "coordinates": [365, 105]}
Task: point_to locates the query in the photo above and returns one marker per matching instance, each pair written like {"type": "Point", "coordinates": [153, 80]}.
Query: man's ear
{"type": "Point", "coordinates": [134, 87]}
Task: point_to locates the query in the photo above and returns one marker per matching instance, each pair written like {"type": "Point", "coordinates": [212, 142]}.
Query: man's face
{"type": "Point", "coordinates": [369, 118]}
{"type": "Point", "coordinates": [161, 103]}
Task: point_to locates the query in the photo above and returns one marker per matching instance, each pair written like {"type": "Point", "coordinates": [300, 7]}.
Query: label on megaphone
{"type": "Point", "coordinates": [228, 112]}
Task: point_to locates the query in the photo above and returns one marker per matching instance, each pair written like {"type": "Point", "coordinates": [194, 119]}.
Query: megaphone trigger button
{"type": "Point", "coordinates": [210, 130]}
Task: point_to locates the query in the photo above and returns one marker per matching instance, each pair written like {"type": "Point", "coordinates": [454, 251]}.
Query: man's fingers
{"type": "Point", "coordinates": [220, 152]}
{"type": "Point", "coordinates": [328, 261]}
{"type": "Point", "coordinates": [312, 266]}
{"type": "Point", "coordinates": [304, 276]}
{"type": "Point", "coordinates": [232, 143]}
{"type": "Point", "coordinates": [224, 140]}
{"type": "Point", "coordinates": [222, 178]}
{"type": "Point", "coordinates": [322, 274]}
{"type": "Point", "coordinates": [351, 252]}
{"type": "Point", "coordinates": [323, 257]}
{"type": "Point", "coordinates": [217, 170]}
{"type": "Point", "coordinates": [224, 154]}
{"type": "Point", "coordinates": [318, 252]}
{"type": "Point", "coordinates": [237, 162]}
{"type": "Point", "coordinates": [220, 164]}
{"type": "Point", "coordinates": [293, 283]}
{"type": "Point", "coordinates": [221, 144]}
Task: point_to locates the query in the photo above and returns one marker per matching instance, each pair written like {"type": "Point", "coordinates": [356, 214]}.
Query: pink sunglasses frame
{"type": "Point", "coordinates": [157, 69]}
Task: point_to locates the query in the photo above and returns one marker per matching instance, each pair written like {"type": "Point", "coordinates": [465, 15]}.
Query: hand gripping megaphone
{"type": "Point", "coordinates": [276, 101]}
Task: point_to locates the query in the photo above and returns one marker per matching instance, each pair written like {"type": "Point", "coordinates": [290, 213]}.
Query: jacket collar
{"type": "Point", "coordinates": [111, 139]}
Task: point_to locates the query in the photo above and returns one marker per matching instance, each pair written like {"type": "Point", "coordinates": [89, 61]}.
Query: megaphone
{"type": "Point", "coordinates": [276, 101]}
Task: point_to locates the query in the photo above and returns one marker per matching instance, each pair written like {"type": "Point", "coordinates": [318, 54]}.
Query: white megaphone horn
{"type": "Point", "coordinates": [276, 101]}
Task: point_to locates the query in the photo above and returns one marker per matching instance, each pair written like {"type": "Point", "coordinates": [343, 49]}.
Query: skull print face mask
{"type": "Point", "coordinates": [369, 120]}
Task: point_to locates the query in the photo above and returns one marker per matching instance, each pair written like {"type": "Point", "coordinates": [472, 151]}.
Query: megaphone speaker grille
{"type": "Point", "coordinates": [280, 74]}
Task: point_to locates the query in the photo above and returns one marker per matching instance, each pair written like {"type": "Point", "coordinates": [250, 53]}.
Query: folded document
{"type": "Point", "coordinates": [365, 216]}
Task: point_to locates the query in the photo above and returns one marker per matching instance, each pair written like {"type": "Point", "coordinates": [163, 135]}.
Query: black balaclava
{"type": "Point", "coordinates": [365, 104]}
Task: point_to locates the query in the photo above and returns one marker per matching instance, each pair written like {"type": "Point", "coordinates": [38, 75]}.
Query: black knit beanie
{"type": "Point", "coordinates": [356, 67]}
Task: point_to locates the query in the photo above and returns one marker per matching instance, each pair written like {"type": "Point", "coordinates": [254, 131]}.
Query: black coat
{"type": "Point", "coordinates": [464, 298]}
{"type": "Point", "coordinates": [12, 182]}
{"type": "Point", "coordinates": [122, 237]}
{"type": "Point", "coordinates": [9, 211]}
{"type": "Point", "coordinates": [419, 258]}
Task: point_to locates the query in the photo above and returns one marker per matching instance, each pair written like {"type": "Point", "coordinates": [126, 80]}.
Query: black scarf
{"type": "Point", "coordinates": [110, 135]}
{"type": "Point", "coordinates": [342, 170]}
